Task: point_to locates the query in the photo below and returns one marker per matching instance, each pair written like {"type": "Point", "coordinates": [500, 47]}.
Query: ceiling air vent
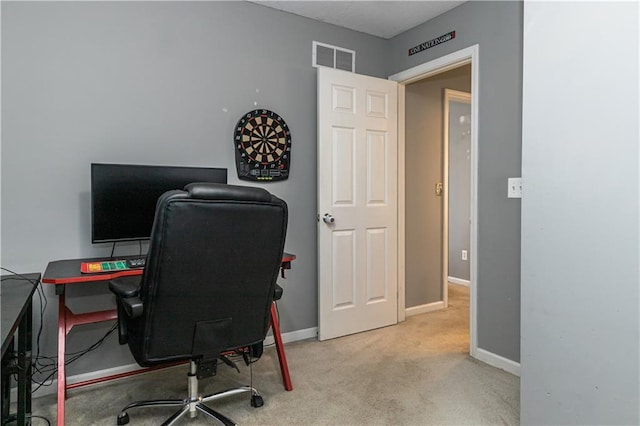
{"type": "Point", "coordinates": [325, 55]}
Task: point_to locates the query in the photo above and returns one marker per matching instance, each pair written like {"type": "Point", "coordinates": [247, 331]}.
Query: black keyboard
{"type": "Point", "coordinates": [136, 263]}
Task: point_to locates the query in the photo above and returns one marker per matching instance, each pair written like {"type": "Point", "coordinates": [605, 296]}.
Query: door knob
{"type": "Point", "coordinates": [328, 219]}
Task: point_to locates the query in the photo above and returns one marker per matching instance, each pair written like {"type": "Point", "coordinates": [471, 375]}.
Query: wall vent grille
{"type": "Point", "coordinates": [326, 55]}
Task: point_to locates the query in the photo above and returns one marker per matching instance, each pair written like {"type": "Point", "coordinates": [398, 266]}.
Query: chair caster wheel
{"type": "Point", "coordinates": [123, 419]}
{"type": "Point", "coordinates": [257, 401]}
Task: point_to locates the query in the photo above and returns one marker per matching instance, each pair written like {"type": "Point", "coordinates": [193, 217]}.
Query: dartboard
{"type": "Point", "coordinates": [263, 146]}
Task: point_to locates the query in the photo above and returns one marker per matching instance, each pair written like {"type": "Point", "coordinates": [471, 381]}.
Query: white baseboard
{"type": "Point", "coordinates": [292, 336]}
{"type": "Point", "coordinates": [498, 361]}
{"type": "Point", "coordinates": [51, 389]}
{"type": "Point", "coordinates": [423, 309]}
{"type": "Point", "coordinates": [459, 281]}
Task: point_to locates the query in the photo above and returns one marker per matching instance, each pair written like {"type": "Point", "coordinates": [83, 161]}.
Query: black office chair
{"type": "Point", "coordinates": [207, 288]}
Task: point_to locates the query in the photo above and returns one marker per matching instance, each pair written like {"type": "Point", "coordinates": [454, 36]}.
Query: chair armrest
{"type": "Point", "coordinates": [133, 306]}
{"type": "Point", "coordinates": [126, 291]}
{"type": "Point", "coordinates": [277, 292]}
{"type": "Point", "coordinates": [125, 287]}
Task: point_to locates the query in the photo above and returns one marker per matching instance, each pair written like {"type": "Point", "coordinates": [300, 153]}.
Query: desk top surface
{"type": "Point", "coordinates": [68, 271]}
{"type": "Point", "coordinates": [15, 293]}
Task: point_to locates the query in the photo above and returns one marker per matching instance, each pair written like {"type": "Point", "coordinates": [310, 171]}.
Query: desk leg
{"type": "Point", "coordinates": [66, 321]}
{"type": "Point", "coordinates": [282, 358]}
{"type": "Point", "coordinates": [62, 338]}
{"type": "Point", "coordinates": [7, 372]}
{"type": "Point", "coordinates": [24, 366]}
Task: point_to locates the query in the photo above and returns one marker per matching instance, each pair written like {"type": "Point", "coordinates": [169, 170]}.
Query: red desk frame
{"type": "Point", "coordinates": [65, 272]}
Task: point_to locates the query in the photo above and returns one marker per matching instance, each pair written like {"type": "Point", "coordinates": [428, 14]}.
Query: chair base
{"type": "Point", "coordinates": [194, 403]}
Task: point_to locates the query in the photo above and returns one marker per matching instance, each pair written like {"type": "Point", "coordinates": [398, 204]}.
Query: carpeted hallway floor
{"type": "Point", "coordinates": [415, 373]}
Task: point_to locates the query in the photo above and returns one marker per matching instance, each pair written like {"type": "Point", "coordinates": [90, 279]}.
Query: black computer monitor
{"type": "Point", "coordinates": [124, 196]}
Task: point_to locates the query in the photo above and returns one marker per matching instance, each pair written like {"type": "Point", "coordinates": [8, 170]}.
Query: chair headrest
{"type": "Point", "coordinates": [219, 191]}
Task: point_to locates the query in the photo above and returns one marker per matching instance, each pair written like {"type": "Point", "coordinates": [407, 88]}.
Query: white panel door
{"type": "Point", "coordinates": [357, 188]}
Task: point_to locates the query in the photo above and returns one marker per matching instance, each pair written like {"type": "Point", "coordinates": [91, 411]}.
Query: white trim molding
{"type": "Point", "coordinates": [498, 361]}
{"type": "Point", "coordinates": [423, 309]}
{"type": "Point", "coordinates": [402, 296]}
{"type": "Point", "coordinates": [92, 375]}
{"type": "Point", "coordinates": [292, 336]}
{"type": "Point", "coordinates": [459, 281]}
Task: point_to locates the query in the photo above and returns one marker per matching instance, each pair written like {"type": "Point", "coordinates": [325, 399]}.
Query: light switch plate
{"type": "Point", "coordinates": [514, 187]}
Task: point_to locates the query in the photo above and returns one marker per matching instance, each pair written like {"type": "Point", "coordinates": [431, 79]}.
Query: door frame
{"type": "Point", "coordinates": [419, 72]}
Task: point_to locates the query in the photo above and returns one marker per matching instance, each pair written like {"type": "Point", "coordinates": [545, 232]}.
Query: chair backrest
{"type": "Point", "coordinates": [214, 254]}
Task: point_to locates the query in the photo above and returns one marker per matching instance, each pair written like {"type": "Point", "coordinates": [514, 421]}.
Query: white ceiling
{"type": "Point", "coordinates": [384, 19]}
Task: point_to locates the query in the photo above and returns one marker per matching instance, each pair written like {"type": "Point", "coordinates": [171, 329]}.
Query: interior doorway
{"type": "Point", "coordinates": [430, 192]}
{"type": "Point", "coordinates": [408, 184]}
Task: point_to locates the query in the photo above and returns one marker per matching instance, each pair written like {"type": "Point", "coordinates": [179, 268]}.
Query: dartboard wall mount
{"type": "Point", "coordinates": [262, 142]}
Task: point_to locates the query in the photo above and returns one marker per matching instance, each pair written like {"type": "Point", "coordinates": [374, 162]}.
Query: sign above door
{"type": "Point", "coordinates": [433, 42]}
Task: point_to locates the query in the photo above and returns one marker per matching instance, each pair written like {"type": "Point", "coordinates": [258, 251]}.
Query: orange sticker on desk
{"type": "Point", "coordinates": [95, 267]}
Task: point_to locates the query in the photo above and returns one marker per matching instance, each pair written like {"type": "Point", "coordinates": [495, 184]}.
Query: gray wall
{"type": "Point", "coordinates": [580, 279]}
{"type": "Point", "coordinates": [151, 83]}
{"type": "Point", "coordinates": [459, 188]}
{"type": "Point", "coordinates": [424, 115]}
{"type": "Point", "coordinates": [497, 28]}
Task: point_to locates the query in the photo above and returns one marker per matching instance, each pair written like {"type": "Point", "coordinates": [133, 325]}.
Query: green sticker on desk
{"type": "Point", "coordinates": [112, 266]}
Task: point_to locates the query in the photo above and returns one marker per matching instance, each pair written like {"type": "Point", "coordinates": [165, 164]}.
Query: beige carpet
{"type": "Point", "coordinates": [414, 373]}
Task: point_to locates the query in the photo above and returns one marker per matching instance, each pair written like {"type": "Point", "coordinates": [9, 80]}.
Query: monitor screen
{"type": "Point", "coordinates": [124, 196]}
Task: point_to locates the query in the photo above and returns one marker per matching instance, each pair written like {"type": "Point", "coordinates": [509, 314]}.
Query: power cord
{"type": "Point", "coordinates": [51, 367]}
{"type": "Point", "coordinates": [45, 364]}
{"type": "Point", "coordinates": [40, 417]}
{"type": "Point", "coordinates": [14, 418]}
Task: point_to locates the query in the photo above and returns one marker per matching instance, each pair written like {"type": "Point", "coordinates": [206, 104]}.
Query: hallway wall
{"type": "Point", "coordinates": [459, 189]}
{"type": "Point", "coordinates": [496, 27]}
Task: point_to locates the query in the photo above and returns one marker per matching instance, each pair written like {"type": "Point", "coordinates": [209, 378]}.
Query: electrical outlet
{"type": "Point", "coordinates": [464, 255]}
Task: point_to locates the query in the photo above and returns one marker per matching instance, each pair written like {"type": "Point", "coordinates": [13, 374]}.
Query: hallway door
{"type": "Point", "coordinates": [357, 203]}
